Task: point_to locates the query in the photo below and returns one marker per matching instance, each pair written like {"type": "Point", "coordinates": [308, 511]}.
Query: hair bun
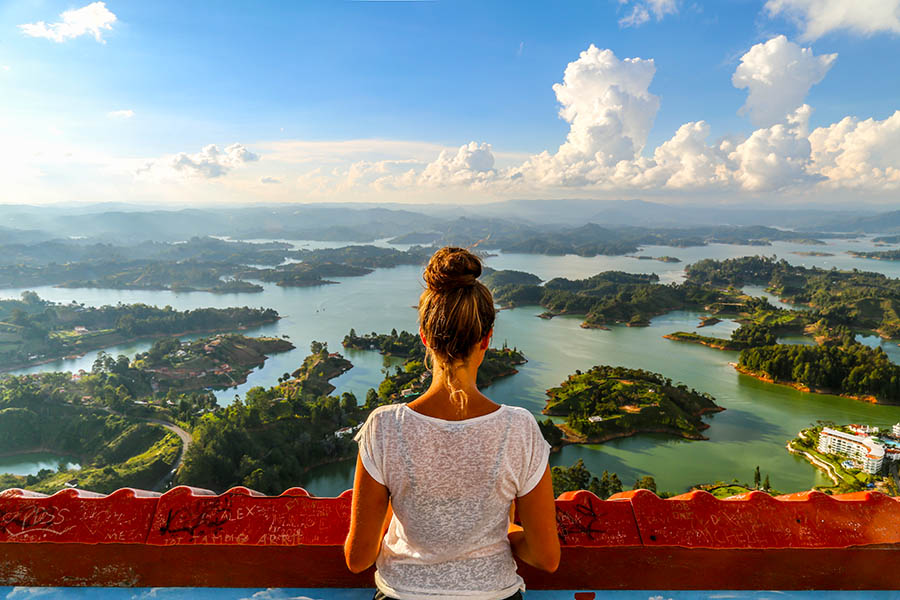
{"type": "Point", "coordinates": [452, 268]}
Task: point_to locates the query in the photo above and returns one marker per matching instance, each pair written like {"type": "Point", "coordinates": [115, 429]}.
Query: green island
{"type": "Point", "coordinates": [853, 369]}
{"type": "Point", "coordinates": [606, 298]}
{"type": "Point", "coordinates": [708, 320]}
{"type": "Point", "coordinates": [745, 336]}
{"type": "Point", "coordinates": [608, 402]}
{"type": "Point", "coordinates": [34, 331]}
{"type": "Point", "coordinates": [665, 259]}
{"type": "Point", "coordinates": [412, 378]}
{"type": "Point", "coordinates": [812, 253]}
{"type": "Point", "coordinates": [887, 239]}
{"type": "Point", "coordinates": [883, 255]}
{"type": "Point", "coordinates": [844, 472]}
{"type": "Point", "coordinates": [703, 340]}
{"type": "Point", "coordinates": [304, 274]}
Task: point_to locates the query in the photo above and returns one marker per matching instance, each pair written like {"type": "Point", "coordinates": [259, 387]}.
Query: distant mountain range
{"type": "Point", "coordinates": [122, 223]}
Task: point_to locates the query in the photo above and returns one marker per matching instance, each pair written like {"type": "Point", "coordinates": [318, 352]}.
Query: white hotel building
{"type": "Point", "coordinates": [864, 450]}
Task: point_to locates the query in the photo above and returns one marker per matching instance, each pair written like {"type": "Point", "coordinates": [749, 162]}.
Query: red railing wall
{"type": "Point", "coordinates": [635, 540]}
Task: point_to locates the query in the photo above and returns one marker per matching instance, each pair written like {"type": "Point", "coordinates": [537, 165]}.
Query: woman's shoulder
{"type": "Point", "coordinates": [518, 412]}
{"type": "Point", "coordinates": [386, 411]}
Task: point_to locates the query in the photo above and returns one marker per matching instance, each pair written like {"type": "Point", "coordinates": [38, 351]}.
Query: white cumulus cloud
{"type": "Point", "coordinates": [608, 106]}
{"type": "Point", "coordinates": [683, 162]}
{"type": "Point", "coordinates": [859, 154]}
{"type": "Point", "coordinates": [610, 110]}
{"type": "Point", "coordinates": [472, 163]}
{"type": "Point", "coordinates": [209, 163]}
{"type": "Point", "coordinates": [120, 114]}
{"type": "Point", "coordinates": [90, 19]}
{"type": "Point", "coordinates": [775, 157]}
{"type": "Point", "coordinates": [819, 17]}
{"type": "Point", "coordinates": [778, 75]}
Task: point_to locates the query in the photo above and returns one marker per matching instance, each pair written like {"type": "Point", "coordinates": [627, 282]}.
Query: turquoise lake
{"type": "Point", "coordinates": [758, 421]}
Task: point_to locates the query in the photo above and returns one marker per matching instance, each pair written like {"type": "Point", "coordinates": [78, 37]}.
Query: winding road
{"type": "Point", "coordinates": [183, 435]}
{"type": "Point", "coordinates": [185, 444]}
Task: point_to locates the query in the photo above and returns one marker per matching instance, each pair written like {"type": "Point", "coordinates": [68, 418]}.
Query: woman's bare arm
{"type": "Point", "coordinates": [369, 514]}
{"type": "Point", "coordinates": [536, 542]}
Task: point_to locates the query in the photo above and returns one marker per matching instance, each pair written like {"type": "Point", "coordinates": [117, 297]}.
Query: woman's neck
{"type": "Point", "coordinates": [464, 401]}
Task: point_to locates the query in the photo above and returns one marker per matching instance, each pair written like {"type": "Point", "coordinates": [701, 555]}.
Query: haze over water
{"type": "Point", "coordinates": [759, 418]}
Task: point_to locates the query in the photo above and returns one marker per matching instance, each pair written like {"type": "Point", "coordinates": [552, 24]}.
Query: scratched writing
{"type": "Point", "coordinates": [33, 519]}
{"type": "Point", "coordinates": [573, 525]}
{"type": "Point", "coordinates": [240, 519]}
{"type": "Point", "coordinates": [196, 520]}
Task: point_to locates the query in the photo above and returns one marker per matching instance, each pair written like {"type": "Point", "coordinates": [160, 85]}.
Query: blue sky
{"type": "Point", "coordinates": [344, 100]}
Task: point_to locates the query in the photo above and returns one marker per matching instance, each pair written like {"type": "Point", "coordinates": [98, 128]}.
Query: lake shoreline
{"type": "Point", "coordinates": [802, 388]}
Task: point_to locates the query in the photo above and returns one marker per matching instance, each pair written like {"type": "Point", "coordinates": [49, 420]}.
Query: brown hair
{"type": "Point", "coordinates": [456, 311]}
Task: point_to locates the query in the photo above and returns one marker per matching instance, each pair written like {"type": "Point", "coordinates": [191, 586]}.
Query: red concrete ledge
{"type": "Point", "coordinates": [635, 540]}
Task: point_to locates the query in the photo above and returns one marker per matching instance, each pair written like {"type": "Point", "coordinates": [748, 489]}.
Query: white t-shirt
{"type": "Point", "coordinates": [451, 485]}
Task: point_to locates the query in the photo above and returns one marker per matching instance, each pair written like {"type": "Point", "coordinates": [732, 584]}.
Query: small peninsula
{"type": "Point", "coordinates": [608, 402]}
{"type": "Point", "coordinates": [852, 370]}
{"type": "Point", "coordinates": [217, 362]}
{"type": "Point", "coordinates": [703, 340]}
{"type": "Point", "coordinates": [745, 336]}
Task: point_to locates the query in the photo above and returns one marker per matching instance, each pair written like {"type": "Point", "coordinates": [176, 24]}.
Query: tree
{"type": "Point", "coordinates": [551, 432]}
{"type": "Point", "coordinates": [615, 484]}
{"type": "Point", "coordinates": [348, 402]}
{"type": "Point", "coordinates": [570, 479]}
{"type": "Point", "coordinates": [766, 485]}
{"type": "Point", "coordinates": [371, 399]}
{"type": "Point", "coordinates": [30, 297]}
{"type": "Point", "coordinates": [645, 483]}
{"type": "Point", "coordinates": [756, 478]}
